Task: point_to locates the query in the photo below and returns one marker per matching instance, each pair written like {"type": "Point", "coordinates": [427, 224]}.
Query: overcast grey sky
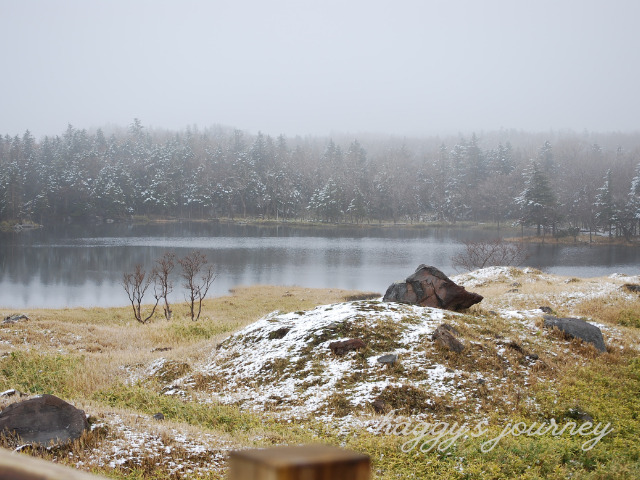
{"type": "Point", "coordinates": [316, 67]}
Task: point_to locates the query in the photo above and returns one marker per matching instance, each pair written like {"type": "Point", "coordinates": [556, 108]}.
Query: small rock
{"type": "Point", "coordinates": [379, 406]}
{"type": "Point", "coordinates": [14, 318]}
{"type": "Point", "coordinates": [161, 349]}
{"type": "Point", "coordinates": [577, 328]}
{"type": "Point", "coordinates": [578, 414]}
{"type": "Point", "coordinates": [630, 287]}
{"type": "Point", "coordinates": [344, 346]}
{"type": "Point", "coordinates": [388, 359]}
{"type": "Point", "coordinates": [513, 290]}
{"type": "Point", "coordinates": [546, 309]}
{"type": "Point", "coordinates": [445, 338]}
{"type": "Point", "coordinates": [450, 328]}
{"type": "Point", "coordinates": [481, 381]}
{"type": "Point", "coordinates": [158, 416]}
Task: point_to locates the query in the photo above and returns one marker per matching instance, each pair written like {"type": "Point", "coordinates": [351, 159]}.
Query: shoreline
{"type": "Point", "coordinates": [583, 239]}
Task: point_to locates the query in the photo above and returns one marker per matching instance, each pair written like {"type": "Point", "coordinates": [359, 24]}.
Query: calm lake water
{"type": "Point", "coordinates": [82, 266]}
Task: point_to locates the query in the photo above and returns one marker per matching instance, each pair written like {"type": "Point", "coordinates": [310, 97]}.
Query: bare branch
{"type": "Point", "coordinates": [164, 267]}
{"type": "Point", "coordinates": [490, 253]}
{"type": "Point", "coordinates": [136, 285]}
{"type": "Point", "coordinates": [197, 287]}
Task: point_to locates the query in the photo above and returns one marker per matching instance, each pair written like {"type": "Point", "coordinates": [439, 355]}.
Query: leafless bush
{"type": "Point", "coordinates": [136, 285]}
{"type": "Point", "coordinates": [198, 278]}
{"type": "Point", "coordinates": [164, 267]}
{"type": "Point", "coordinates": [490, 253]}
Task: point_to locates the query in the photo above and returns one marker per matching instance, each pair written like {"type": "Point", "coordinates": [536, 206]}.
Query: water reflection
{"type": "Point", "coordinates": [70, 265]}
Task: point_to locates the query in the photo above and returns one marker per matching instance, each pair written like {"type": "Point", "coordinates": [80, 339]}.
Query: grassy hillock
{"type": "Point", "coordinates": [257, 371]}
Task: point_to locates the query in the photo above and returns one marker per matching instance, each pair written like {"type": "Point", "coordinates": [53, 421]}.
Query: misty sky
{"type": "Point", "coordinates": [317, 67]}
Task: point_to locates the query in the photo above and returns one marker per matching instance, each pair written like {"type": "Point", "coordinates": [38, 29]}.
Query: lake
{"type": "Point", "coordinates": [72, 265]}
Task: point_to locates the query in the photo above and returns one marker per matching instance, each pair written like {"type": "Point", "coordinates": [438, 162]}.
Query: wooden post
{"type": "Point", "coordinates": [17, 466]}
{"type": "Point", "coordinates": [311, 462]}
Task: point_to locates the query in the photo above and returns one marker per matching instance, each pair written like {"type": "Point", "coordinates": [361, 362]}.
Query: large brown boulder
{"type": "Point", "coordinates": [43, 420]}
{"type": "Point", "coordinates": [429, 287]}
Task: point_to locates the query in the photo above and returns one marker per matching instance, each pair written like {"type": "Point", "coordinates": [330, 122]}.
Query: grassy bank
{"type": "Point", "coordinates": [582, 239]}
{"type": "Point", "coordinates": [465, 224]}
{"type": "Point", "coordinates": [122, 373]}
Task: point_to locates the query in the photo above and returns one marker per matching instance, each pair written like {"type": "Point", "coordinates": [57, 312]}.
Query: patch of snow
{"type": "Point", "coordinates": [624, 277]}
{"type": "Point", "coordinates": [482, 276]}
{"type": "Point", "coordinates": [519, 314]}
{"type": "Point", "coordinates": [130, 442]}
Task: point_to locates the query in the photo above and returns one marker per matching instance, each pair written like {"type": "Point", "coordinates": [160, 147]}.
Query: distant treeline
{"type": "Point", "coordinates": [559, 183]}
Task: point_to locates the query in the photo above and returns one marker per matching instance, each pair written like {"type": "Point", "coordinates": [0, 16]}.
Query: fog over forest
{"type": "Point", "coordinates": [337, 112]}
{"type": "Point", "coordinates": [558, 184]}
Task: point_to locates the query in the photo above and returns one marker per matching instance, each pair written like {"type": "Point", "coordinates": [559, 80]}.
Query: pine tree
{"type": "Point", "coordinates": [631, 213]}
{"type": "Point", "coordinates": [606, 211]}
{"type": "Point", "coordinates": [537, 201]}
{"type": "Point", "coordinates": [545, 157]}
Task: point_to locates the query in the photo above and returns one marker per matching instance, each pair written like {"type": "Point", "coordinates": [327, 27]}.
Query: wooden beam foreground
{"type": "Point", "coordinates": [17, 466]}
{"type": "Point", "coordinates": [311, 462]}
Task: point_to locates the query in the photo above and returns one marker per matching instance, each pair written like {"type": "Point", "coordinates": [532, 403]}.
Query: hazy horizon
{"type": "Point", "coordinates": [403, 68]}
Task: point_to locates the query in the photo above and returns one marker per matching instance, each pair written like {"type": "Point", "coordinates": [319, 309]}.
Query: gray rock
{"type": "Point", "coordinates": [44, 420]}
{"type": "Point", "coordinates": [546, 309]}
{"type": "Point", "coordinates": [631, 287]}
{"type": "Point", "coordinates": [578, 414]}
{"type": "Point", "coordinates": [158, 416]}
{"type": "Point", "coordinates": [577, 328]}
{"type": "Point", "coordinates": [14, 318]}
{"type": "Point", "coordinates": [429, 287]}
{"type": "Point", "coordinates": [388, 359]}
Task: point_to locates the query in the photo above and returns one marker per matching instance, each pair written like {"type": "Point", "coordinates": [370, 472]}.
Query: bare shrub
{"type": "Point", "coordinates": [164, 267]}
{"type": "Point", "coordinates": [136, 285]}
{"type": "Point", "coordinates": [198, 278]}
{"type": "Point", "coordinates": [490, 253]}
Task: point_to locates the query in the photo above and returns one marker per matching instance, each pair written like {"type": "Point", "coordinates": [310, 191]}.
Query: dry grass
{"type": "Point", "coordinates": [111, 342]}
{"type": "Point", "coordinates": [612, 311]}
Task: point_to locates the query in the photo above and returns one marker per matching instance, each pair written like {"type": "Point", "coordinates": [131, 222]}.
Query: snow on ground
{"type": "Point", "coordinates": [282, 364]}
{"type": "Point", "coordinates": [283, 361]}
{"type": "Point", "coordinates": [484, 275]}
{"type": "Point", "coordinates": [133, 441]}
